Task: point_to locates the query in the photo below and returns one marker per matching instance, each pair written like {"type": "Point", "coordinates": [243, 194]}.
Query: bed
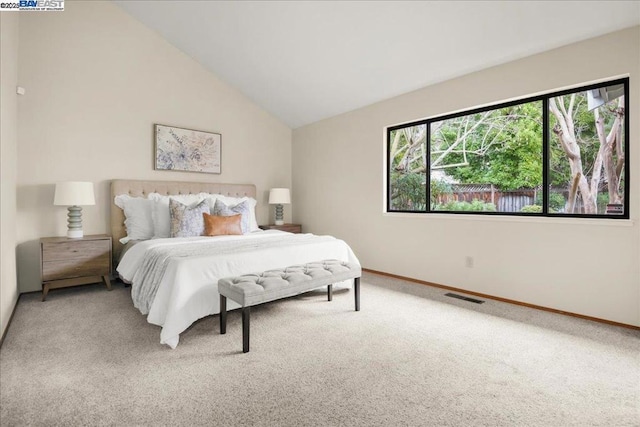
{"type": "Point", "coordinates": [174, 280]}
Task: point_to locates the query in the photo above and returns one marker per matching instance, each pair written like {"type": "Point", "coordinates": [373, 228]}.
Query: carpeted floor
{"type": "Point", "coordinates": [411, 357]}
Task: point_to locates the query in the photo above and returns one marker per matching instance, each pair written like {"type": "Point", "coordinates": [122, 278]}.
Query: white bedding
{"type": "Point", "coordinates": [187, 289]}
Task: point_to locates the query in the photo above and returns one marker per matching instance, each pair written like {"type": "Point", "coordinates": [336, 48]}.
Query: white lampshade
{"type": "Point", "coordinates": [74, 194]}
{"type": "Point", "coordinates": [279, 196]}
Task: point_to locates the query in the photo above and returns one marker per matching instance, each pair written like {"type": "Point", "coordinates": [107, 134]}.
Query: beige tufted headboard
{"type": "Point", "coordinates": [137, 188]}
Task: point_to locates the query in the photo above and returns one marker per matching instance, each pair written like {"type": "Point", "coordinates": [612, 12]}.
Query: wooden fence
{"type": "Point", "coordinates": [504, 201]}
{"type": "Point", "coordinates": [507, 201]}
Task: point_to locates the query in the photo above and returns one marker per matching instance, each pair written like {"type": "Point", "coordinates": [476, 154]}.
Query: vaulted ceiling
{"type": "Point", "coordinates": [304, 61]}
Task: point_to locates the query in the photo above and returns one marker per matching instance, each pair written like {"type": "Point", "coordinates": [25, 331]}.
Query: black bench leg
{"type": "Point", "coordinates": [246, 311]}
{"type": "Point", "coordinates": [330, 293]}
{"type": "Point", "coordinates": [356, 284]}
{"type": "Point", "coordinates": [223, 315]}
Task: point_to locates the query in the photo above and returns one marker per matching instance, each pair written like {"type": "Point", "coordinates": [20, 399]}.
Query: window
{"type": "Point", "coordinates": [560, 154]}
{"type": "Point", "coordinates": [408, 160]}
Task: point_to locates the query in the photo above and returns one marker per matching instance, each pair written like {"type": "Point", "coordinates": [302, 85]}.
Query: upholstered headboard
{"type": "Point", "coordinates": [136, 188]}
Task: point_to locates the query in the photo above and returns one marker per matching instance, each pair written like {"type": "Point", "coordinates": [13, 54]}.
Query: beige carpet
{"type": "Point", "coordinates": [410, 357]}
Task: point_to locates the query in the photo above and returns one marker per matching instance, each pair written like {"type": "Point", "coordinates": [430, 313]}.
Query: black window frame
{"type": "Point", "coordinates": [544, 98]}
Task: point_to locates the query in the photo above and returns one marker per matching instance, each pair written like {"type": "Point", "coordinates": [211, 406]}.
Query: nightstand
{"type": "Point", "coordinates": [70, 262]}
{"type": "Point", "coordinates": [291, 228]}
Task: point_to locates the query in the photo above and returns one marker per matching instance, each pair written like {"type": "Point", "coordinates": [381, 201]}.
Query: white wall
{"type": "Point", "coordinates": [9, 24]}
{"type": "Point", "coordinates": [97, 80]}
{"type": "Point", "coordinates": [589, 267]}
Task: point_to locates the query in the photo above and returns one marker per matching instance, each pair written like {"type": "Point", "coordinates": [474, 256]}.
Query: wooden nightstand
{"type": "Point", "coordinates": [291, 228]}
{"type": "Point", "coordinates": [70, 262]}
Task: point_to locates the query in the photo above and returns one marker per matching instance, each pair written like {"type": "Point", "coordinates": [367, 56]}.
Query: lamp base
{"type": "Point", "coordinates": [74, 222]}
{"type": "Point", "coordinates": [279, 217]}
{"type": "Point", "coordinates": [75, 234]}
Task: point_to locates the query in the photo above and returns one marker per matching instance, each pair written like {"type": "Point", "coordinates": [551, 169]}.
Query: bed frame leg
{"type": "Point", "coordinates": [246, 312]}
{"type": "Point", "coordinates": [223, 315]}
{"type": "Point", "coordinates": [330, 293]}
{"type": "Point", "coordinates": [356, 284]}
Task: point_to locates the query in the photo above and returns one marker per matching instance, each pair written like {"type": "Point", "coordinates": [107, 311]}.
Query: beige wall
{"type": "Point", "coordinates": [97, 80]}
{"type": "Point", "coordinates": [9, 23]}
{"type": "Point", "coordinates": [590, 267]}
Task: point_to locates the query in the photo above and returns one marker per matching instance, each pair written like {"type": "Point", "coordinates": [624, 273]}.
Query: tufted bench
{"type": "Point", "coordinates": [254, 289]}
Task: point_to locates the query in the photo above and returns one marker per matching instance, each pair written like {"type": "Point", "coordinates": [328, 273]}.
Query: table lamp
{"type": "Point", "coordinates": [279, 197]}
{"type": "Point", "coordinates": [74, 194]}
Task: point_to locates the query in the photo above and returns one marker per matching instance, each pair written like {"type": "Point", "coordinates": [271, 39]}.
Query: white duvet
{"type": "Point", "coordinates": [187, 285]}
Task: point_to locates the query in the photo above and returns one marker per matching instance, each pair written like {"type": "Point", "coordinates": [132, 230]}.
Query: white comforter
{"type": "Point", "coordinates": [187, 288]}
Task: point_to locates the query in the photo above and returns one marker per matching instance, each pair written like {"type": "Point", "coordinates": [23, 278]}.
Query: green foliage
{"type": "Point", "coordinates": [556, 201]}
{"type": "Point", "coordinates": [531, 209]}
{"type": "Point", "coordinates": [602, 201]}
{"type": "Point", "coordinates": [475, 206]}
{"type": "Point", "coordinates": [438, 188]}
{"type": "Point", "coordinates": [503, 149]}
{"type": "Point", "coordinates": [535, 209]}
{"type": "Point", "coordinates": [408, 191]}
{"type": "Point", "coordinates": [603, 198]}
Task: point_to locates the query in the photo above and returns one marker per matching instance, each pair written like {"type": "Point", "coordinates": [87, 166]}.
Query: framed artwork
{"type": "Point", "coordinates": [187, 150]}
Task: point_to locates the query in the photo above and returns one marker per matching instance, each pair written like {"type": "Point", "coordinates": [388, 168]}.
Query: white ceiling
{"type": "Point", "coordinates": [304, 61]}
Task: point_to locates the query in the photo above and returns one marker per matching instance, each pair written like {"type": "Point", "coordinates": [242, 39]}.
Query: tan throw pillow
{"type": "Point", "coordinates": [222, 225]}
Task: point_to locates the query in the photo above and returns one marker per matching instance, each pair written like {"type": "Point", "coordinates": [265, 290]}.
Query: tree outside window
{"type": "Point", "coordinates": [492, 160]}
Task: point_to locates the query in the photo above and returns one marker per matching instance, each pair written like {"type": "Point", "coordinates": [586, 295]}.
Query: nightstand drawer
{"type": "Point", "coordinates": [79, 267]}
{"type": "Point", "coordinates": [75, 250]}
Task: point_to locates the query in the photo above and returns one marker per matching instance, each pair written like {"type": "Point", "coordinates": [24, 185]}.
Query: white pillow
{"type": "Point", "coordinates": [252, 205]}
{"type": "Point", "coordinates": [231, 202]}
{"type": "Point", "coordinates": [160, 215]}
{"type": "Point", "coordinates": [138, 219]}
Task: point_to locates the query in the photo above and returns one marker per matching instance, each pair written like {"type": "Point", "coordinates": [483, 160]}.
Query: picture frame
{"type": "Point", "coordinates": [187, 150]}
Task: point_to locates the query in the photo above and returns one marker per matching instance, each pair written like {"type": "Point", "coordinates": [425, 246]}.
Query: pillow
{"type": "Point", "coordinates": [138, 220]}
{"type": "Point", "coordinates": [253, 222]}
{"type": "Point", "coordinates": [187, 221]}
{"type": "Point", "coordinates": [160, 210]}
{"type": "Point", "coordinates": [222, 225]}
{"type": "Point", "coordinates": [233, 201]}
{"type": "Point", "coordinates": [242, 208]}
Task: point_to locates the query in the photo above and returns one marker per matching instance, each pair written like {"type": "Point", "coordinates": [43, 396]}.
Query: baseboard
{"type": "Point", "coordinates": [509, 301]}
{"type": "Point", "coordinates": [13, 311]}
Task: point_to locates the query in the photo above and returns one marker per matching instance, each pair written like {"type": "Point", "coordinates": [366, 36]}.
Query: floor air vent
{"type": "Point", "coordinates": [477, 301]}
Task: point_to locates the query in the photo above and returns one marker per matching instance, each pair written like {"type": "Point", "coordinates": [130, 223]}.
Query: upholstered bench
{"type": "Point", "coordinates": [254, 289]}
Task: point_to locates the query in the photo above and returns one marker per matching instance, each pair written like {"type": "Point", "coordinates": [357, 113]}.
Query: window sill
{"type": "Point", "coordinates": [605, 222]}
